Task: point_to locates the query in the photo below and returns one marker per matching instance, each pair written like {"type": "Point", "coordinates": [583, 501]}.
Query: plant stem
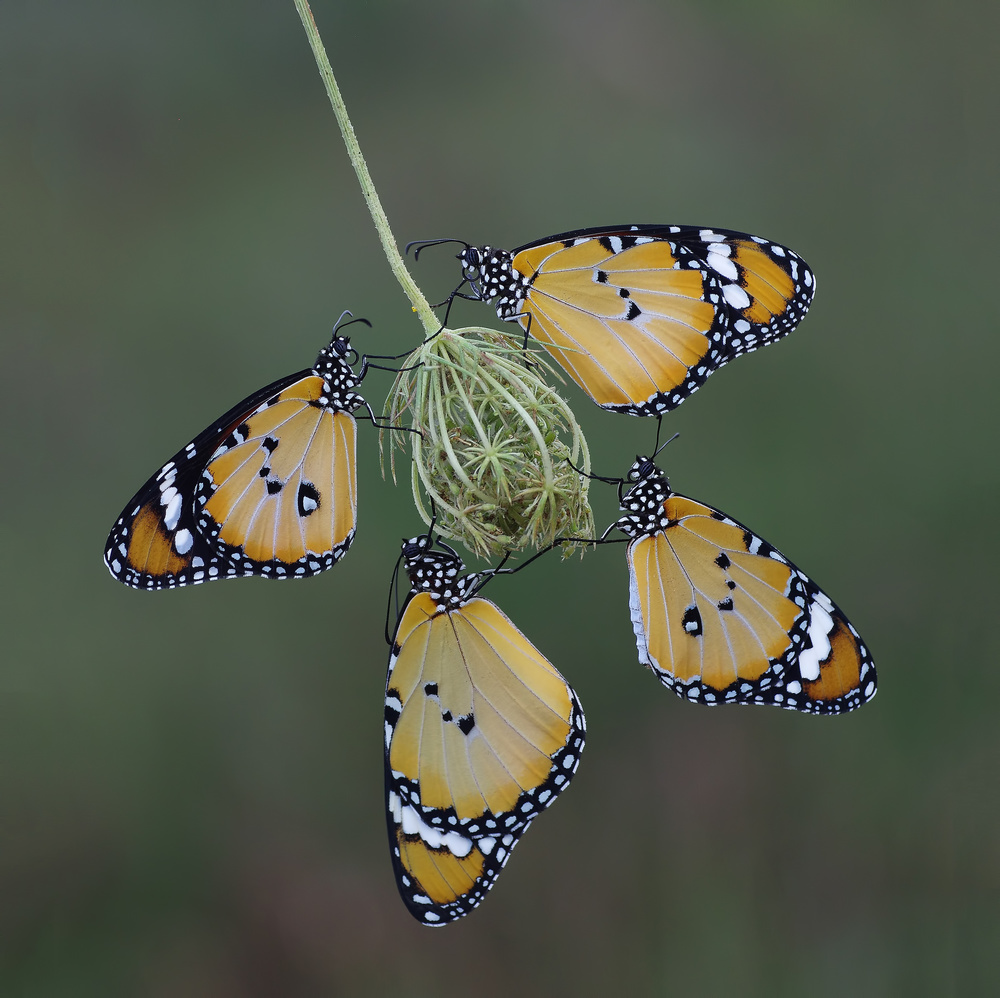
{"type": "Point", "coordinates": [417, 299]}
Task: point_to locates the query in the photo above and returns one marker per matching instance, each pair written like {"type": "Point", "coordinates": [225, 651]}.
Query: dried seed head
{"type": "Point", "coordinates": [497, 445]}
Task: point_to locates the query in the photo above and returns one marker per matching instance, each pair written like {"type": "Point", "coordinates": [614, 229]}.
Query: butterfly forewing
{"type": "Point", "coordinates": [481, 734]}
{"type": "Point", "coordinates": [288, 489]}
{"type": "Point", "coordinates": [640, 316]}
{"type": "Point", "coordinates": [722, 617]}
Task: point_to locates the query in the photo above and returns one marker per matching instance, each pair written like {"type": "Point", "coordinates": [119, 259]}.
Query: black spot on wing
{"type": "Point", "coordinates": [307, 499]}
{"type": "Point", "coordinates": [691, 621]}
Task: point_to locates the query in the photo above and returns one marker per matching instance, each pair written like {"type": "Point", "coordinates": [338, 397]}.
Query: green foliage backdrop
{"type": "Point", "coordinates": [191, 781]}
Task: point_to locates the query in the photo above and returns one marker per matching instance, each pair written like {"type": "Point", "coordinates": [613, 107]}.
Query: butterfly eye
{"type": "Point", "coordinates": [470, 264]}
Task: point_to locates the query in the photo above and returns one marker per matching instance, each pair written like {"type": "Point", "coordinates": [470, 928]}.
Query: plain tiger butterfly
{"type": "Point", "coordinates": [640, 315]}
{"type": "Point", "coordinates": [481, 734]}
{"type": "Point", "coordinates": [269, 489]}
{"type": "Point", "coordinates": [720, 616]}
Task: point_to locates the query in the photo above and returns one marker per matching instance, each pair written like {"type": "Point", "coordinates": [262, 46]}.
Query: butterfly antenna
{"type": "Point", "coordinates": [339, 324]}
{"type": "Point", "coordinates": [422, 244]}
{"type": "Point", "coordinates": [664, 444]}
{"type": "Point", "coordinates": [430, 526]}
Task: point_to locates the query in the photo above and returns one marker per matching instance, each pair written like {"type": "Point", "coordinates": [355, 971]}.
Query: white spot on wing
{"type": "Point", "coordinates": [173, 513]}
{"type": "Point", "coordinates": [736, 296]}
{"type": "Point", "coordinates": [721, 264]}
{"type": "Point", "coordinates": [820, 626]}
{"type": "Point", "coordinates": [435, 838]}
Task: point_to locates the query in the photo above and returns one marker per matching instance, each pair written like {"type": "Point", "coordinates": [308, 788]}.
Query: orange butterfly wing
{"type": "Point", "coordinates": [721, 617]}
{"type": "Point", "coordinates": [482, 734]}
{"type": "Point", "coordinates": [640, 316]}
{"type": "Point", "coordinates": [269, 489]}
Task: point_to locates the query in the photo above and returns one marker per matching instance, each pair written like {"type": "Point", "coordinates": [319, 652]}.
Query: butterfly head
{"type": "Point", "coordinates": [643, 470]}
{"type": "Point", "coordinates": [436, 571]}
{"type": "Point", "coordinates": [490, 275]}
{"type": "Point", "coordinates": [471, 259]}
{"type": "Point", "coordinates": [337, 357]}
{"type": "Point", "coordinates": [643, 503]}
{"type": "Point", "coordinates": [334, 365]}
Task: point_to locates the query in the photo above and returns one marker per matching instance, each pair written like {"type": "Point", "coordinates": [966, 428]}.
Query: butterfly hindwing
{"type": "Point", "coordinates": [640, 316]}
{"type": "Point", "coordinates": [269, 489]}
{"type": "Point", "coordinates": [722, 617]}
{"type": "Point", "coordinates": [482, 734]}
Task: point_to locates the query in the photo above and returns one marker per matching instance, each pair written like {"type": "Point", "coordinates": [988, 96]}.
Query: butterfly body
{"type": "Point", "coordinates": [481, 735]}
{"type": "Point", "coordinates": [269, 489]}
{"type": "Point", "coordinates": [721, 616]}
{"type": "Point", "coordinates": [641, 315]}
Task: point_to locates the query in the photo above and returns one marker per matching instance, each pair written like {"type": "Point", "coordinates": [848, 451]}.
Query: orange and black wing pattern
{"type": "Point", "coordinates": [639, 316]}
{"type": "Point", "coordinates": [722, 617]}
{"type": "Point", "coordinates": [481, 735]}
{"type": "Point", "coordinates": [269, 489]}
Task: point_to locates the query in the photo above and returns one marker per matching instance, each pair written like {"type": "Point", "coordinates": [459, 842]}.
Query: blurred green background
{"type": "Point", "coordinates": [191, 782]}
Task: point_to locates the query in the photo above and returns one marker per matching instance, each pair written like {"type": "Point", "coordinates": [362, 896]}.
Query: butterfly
{"type": "Point", "coordinates": [720, 616]}
{"type": "Point", "coordinates": [481, 734]}
{"type": "Point", "coordinates": [640, 315]}
{"type": "Point", "coordinates": [268, 489]}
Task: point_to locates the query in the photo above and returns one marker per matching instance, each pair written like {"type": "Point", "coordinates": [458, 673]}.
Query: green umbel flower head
{"type": "Point", "coordinates": [497, 448]}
